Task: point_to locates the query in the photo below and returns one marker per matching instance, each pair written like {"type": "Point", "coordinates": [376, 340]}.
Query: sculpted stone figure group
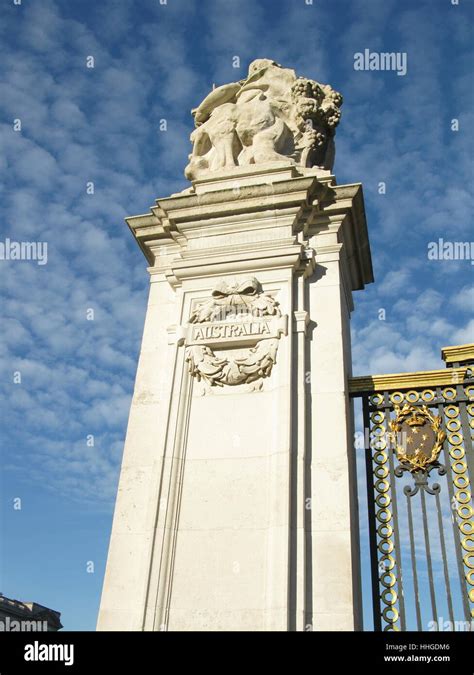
{"type": "Point", "coordinates": [272, 115]}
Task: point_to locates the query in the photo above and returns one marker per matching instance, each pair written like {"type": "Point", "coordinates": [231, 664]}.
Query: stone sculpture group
{"type": "Point", "coordinates": [272, 115]}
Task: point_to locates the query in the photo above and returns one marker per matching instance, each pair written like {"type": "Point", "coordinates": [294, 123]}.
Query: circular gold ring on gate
{"type": "Point", "coordinates": [467, 527]}
{"type": "Point", "coordinates": [412, 396]}
{"type": "Point", "coordinates": [389, 596]}
{"type": "Point", "coordinates": [455, 438]}
{"type": "Point", "coordinates": [385, 531]}
{"type": "Point", "coordinates": [392, 580]}
{"type": "Point", "coordinates": [469, 390]}
{"type": "Point", "coordinates": [469, 560]}
{"type": "Point", "coordinates": [386, 519]}
{"type": "Point", "coordinates": [390, 628]}
{"type": "Point", "coordinates": [465, 511]}
{"type": "Point", "coordinates": [463, 497]}
{"type": "Point", "coordinates": [451, 411]}
{"type": "Point", "coordinates": [393, 619]}
{"type": "Point", "coordinates": [377, 430]}
{"type": "Point", "coordinates": [385, 546]}
{"type": "Point", "coordinates": [378, 443]}
{"type": "Point", "coordinates": [459, 466]}
{"type": "Point", "coordinates": [427, 395]}
{"type": "Point", "coordinates": [383, 497]}
{"type": "Point", "coordinates": [380, 457]}
{"type": "Point", "coordinates": [387, 558]}
{"type": "Point", "coordinates": [470, 409]}
{"type": "Point", "coordinates": [449, 393]}
{"type": "Point", "coordinates": [457, 452]}
{"type": "Point", "coordinates": [470, 578]}
{"type": "Point", "coordinates": [396, 397]}
{"type": "Point", "coordinates": [468, 544]}
{"type": "Point", "coordinates": [471, 595]}
{"type": "Point", "coordinates": [453, 425]}
{"type": "Point", "coordinates": [376, 399]}
{"type": "Point", "coordinates": [381, 471]}
{"type": "Point", "coordinates": [377, 417]}
{"type": "Point", "coordinates": [460, 481]}
{"type": "Point", "coordinates": [382, 485]}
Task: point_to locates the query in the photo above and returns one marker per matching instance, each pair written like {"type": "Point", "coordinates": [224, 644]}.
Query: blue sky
{"type": "Point", "coordinates": [156, 61]}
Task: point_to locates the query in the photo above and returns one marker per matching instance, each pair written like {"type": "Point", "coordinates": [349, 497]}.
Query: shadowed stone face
{"type": "Point", "coordinates": [272, 115]}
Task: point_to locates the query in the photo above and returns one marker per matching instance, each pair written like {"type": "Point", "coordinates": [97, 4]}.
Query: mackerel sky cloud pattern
{"type": "Point", "coordinates": [72, 327]}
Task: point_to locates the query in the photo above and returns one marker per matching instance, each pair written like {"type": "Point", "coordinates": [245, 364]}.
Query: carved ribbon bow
{"type": "Point", "coordinates": [226, 298]}
{"type": "Point", "coordinates": [239, 293]}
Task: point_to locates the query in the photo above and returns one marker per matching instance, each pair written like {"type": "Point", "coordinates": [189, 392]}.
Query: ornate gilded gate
{"type": "Point", "coordinates": [418, 430]}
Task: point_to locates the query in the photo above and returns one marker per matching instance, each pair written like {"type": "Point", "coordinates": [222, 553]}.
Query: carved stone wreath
{"type": "Point", "coordinates": [215, 371]}
{"type": "Point", "coordinates": [236, 315]}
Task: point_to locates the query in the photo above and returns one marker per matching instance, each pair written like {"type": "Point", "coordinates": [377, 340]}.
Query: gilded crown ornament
{"type": "Point", "coordinates": [417, 436]}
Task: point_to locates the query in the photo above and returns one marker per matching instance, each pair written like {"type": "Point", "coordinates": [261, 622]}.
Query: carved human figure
{"type": "Point", "coordinates": [271, 115]}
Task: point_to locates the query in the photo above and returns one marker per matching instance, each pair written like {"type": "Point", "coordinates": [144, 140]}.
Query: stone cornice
{"type": "Point", "coordinates": [29, 611]}
{"type": "Point", "coordinates": [241, 199]}
{"type": "Point", "coordinates": [254, 214]}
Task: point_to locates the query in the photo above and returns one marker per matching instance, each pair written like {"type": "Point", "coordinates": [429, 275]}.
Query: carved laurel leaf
{"type": "Point", "coordinates": [257, 364]}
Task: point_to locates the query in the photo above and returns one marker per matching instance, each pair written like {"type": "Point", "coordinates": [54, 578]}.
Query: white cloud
{"type": "Point", "coordinates": [464, 299]}
{"type": "Point", "coordinates": [464, 335]}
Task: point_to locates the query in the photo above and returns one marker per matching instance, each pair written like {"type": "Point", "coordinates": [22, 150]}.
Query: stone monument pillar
{"type": "Point", "coordinates": [237, 505]}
